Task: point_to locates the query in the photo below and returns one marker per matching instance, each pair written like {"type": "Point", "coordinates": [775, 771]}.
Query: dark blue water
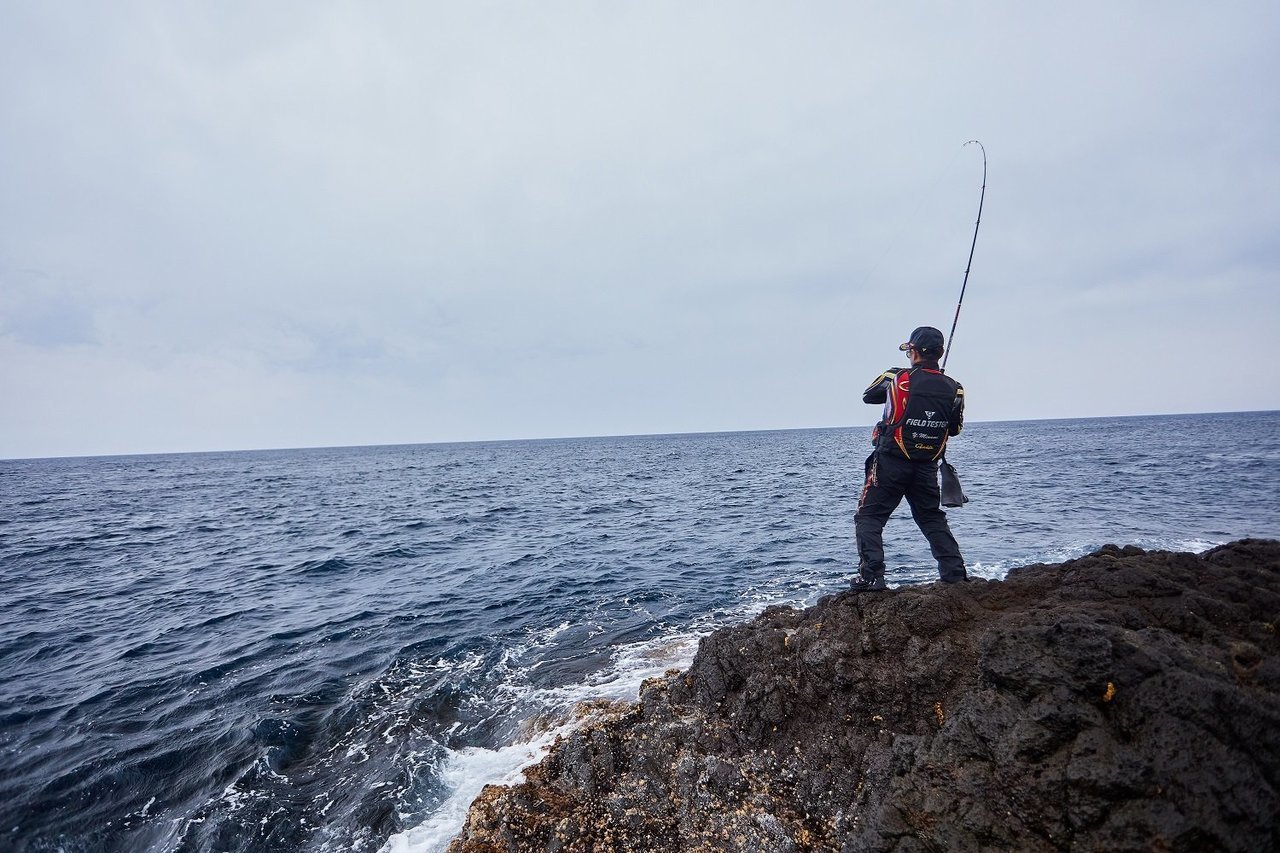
{"type": "Point", "coordinates": [334, 649]}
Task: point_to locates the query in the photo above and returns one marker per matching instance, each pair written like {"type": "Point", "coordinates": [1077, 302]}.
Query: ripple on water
{"type": "Point", "coordinates": [334, 649]}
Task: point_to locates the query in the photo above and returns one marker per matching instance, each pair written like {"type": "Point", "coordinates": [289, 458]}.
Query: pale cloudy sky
{"type": "Point", "coordinates": [239, 225]}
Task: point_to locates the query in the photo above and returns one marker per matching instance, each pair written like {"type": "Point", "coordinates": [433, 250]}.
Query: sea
{"type": "Point", "coordinates": [336, 649]}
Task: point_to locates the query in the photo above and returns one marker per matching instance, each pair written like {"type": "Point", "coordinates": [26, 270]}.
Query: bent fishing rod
{"type": "Point", "coordinates": [981, 198]}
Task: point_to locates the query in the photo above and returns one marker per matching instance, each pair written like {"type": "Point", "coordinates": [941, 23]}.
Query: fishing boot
{"type": "Point", "coordinates": [870, 579]}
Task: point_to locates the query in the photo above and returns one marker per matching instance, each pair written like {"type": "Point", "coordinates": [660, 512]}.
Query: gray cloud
{"type": "Point", "coordinates": [40, 312]}
{"type": "Point", "coordinates": [327, 224]}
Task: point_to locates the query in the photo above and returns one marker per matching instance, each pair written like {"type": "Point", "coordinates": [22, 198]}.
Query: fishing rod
{"type": "Point", "coordinates": [982, 197]}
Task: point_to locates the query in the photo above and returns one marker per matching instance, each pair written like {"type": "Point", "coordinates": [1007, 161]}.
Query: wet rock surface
{"type": "Point", "coordinates": [1126, 700]}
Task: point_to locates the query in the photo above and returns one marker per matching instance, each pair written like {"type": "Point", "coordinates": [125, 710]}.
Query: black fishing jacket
{"type": "Point", "coordinates": [923, 407]}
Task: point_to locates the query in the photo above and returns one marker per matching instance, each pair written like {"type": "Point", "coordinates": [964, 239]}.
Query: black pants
{"type": "Point", "coordinates": [889, 480]}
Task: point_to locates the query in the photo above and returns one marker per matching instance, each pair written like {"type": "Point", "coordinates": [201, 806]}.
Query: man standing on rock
{"type": "Point", "coordinates": [922, 409]}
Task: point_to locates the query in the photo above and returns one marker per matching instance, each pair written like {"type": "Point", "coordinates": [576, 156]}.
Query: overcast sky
{"type": "Point", "coordinates": [240, 225]}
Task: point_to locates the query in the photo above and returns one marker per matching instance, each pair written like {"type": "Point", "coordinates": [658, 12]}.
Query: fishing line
{"type": "Point", "coordinates": [981, 198]}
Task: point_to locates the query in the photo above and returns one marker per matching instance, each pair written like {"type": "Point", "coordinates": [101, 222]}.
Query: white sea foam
{"type": "Point", "coordinates": [465, 772]}
{"type": "Point", "coordinates": [999, 568]}
{"type": "Point", "coordinates": [1195, 546]}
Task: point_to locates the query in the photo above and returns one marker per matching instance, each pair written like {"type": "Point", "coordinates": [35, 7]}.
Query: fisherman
{"type": "Point", "coordinates": [922, 409]}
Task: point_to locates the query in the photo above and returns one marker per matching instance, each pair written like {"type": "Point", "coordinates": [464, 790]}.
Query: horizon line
{"type": "Point", "coordinates": [588, 437]}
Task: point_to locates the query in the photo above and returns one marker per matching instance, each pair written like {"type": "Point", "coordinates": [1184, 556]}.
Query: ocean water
{"type": "Point", "coordinates": [333, 650]}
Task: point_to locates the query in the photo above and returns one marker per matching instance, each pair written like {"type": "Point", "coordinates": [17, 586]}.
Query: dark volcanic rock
{"type": "Point", "coordinates": [1123, 701]}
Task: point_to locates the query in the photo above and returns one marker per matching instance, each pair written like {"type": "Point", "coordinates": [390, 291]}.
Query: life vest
{"type": "Point", "coordinates": [918, 409]}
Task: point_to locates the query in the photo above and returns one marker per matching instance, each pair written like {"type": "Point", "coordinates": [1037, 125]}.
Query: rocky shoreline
{"type": "Point", "coordinates": [1126, 700]}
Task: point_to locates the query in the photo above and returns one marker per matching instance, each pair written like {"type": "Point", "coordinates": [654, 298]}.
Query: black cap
{"type": "Point", "coordinates": [924, 338]}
